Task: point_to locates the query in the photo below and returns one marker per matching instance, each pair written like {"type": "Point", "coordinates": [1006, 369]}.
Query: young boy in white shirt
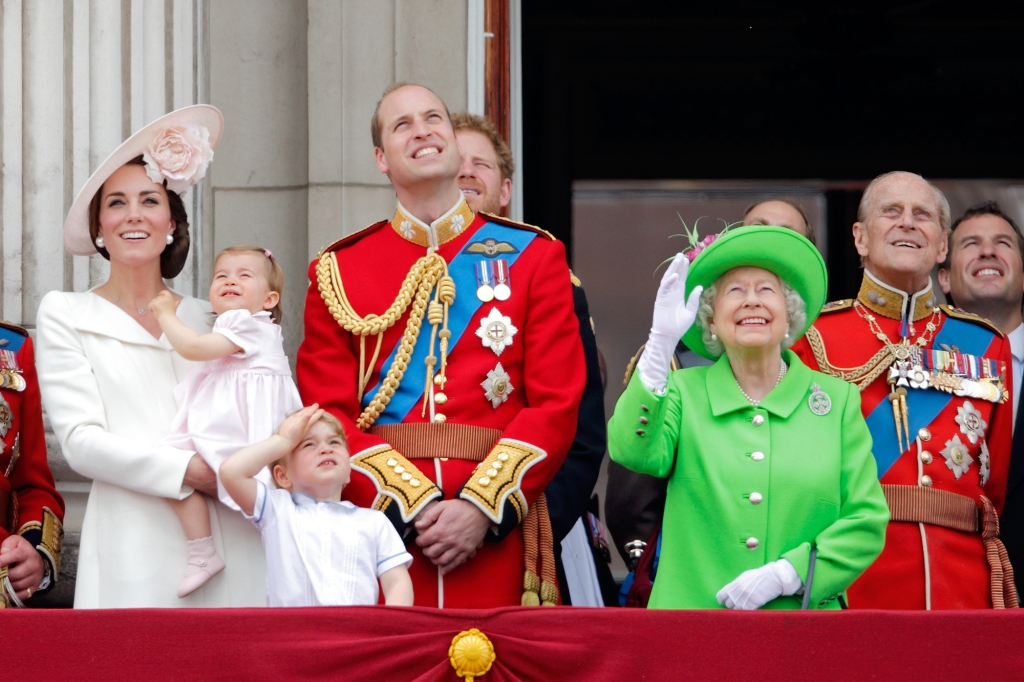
{"type": "Point", "coordinates": [320, 551]}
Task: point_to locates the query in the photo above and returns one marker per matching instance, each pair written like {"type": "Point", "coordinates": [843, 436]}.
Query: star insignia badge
{"type": "Point", "coordinates": [496, 331]}
{"type": "Point", "coordinates": [971, 423]}
{"type": "Point", "coordinates": [957, 458]}
{"type": "Point", "coordinates": [497, 386]}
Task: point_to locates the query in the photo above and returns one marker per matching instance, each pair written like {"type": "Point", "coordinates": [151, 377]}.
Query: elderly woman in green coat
{"type": "Point", "coordinates": [768, 463]}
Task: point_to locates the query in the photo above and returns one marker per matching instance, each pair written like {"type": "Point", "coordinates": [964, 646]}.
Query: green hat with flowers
{"type": "Point", "coordinates": [780, 250]}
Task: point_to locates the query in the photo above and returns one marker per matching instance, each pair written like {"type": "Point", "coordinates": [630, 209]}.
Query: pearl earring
{"type": "Point", "coordinates": [787, 335]}
{"type": "Point", "coordinates": [170, 237]}
{"type": "Point", "coordinates": [100, 243]}
{"type": "Point", "coordinates": [714, 336]}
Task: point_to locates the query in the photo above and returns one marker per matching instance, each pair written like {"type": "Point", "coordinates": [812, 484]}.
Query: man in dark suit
{"type": "Point", "coordinates": [984, 274]}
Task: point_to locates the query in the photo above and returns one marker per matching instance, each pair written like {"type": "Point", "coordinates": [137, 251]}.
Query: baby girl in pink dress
{"type": "Point", "coordinates": [241, 393]}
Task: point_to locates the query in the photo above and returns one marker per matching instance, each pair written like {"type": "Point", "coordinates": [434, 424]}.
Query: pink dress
{"type": "Point", "coordinates": [232, 402]}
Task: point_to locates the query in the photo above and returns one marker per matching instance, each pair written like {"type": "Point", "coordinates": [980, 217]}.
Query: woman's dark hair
{"type": "Point", "coordinates": [173, 258]}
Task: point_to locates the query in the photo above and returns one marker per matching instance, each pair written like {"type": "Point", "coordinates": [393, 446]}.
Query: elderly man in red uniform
{"type": "Point", "coordinates": [447, 343]}
{"type": "Point", "coordinates": [934, 390]}
{"type": "Point", "coordinates": [31, 509]}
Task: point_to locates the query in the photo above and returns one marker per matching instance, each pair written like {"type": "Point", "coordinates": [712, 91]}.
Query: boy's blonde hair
{"type": "Point", "coordinates": [274, 273]}
{"type": "Point", "coordinates": [326, 418]}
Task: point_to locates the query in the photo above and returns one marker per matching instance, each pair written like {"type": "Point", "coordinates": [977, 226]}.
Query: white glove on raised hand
{"type": "Point", "coordinates": [674, 314]}
{"type": "Point", "coordinates": [758, 586]}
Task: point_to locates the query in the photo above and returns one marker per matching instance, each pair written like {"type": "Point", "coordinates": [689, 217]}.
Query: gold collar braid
{"type": "Point", "coordinates": [429, 273]}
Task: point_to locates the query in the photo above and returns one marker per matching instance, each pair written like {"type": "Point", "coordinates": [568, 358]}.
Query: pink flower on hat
{"type": "Point", "coordinates": [179, 155]}
{"type": "Point", "coordinates": [701, 245]}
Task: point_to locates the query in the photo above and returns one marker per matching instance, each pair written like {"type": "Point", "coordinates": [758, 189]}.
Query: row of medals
{"type": "Point", "coordinates": [492, 280]}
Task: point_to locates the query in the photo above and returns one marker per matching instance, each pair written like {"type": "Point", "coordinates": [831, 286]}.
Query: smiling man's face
{"type": "Point", "coordinates": [901, 238]}
{"type": "Point", "coordinates": [418, 141]}
{"type": "Point", "coordinates": [984, 264]}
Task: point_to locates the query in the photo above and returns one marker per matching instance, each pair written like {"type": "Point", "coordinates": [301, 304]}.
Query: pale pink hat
{"type": "Point", "coordinates": [177, 148]}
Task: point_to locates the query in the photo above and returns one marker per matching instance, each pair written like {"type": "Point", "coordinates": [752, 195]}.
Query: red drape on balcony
{"type": "Point", "coordinates": [381, 643]}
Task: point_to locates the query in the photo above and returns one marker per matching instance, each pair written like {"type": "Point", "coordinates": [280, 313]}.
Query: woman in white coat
{"type": "Point", "coordinates": [108, 374]}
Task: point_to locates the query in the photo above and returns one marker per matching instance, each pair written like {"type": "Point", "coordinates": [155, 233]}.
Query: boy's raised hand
{"type": "Point", "coordinates": [295, 426]}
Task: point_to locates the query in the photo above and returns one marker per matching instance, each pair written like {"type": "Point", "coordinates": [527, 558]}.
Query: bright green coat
{"type": "Point", "coordinates": [817, 481]}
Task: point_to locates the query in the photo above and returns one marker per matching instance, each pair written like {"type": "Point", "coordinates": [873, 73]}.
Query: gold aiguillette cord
{"type": "Point", "coordinates": [898, 398]}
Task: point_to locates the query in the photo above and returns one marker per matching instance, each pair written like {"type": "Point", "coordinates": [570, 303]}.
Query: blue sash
{"type": "Point", "coordinates": [923, 405]}
{"type": "Point", "coordinates": [460, 315]}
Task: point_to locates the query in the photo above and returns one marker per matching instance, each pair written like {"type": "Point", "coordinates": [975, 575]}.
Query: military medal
{"type": "Point", "coordinates": [983, 459]}
{"type": "Point", "coordinates": [10, 371]}
{"type": "Point", "coordinates": [6, 416]}
{"type": "Point", "coordinates": [484, 291]}
{"type": "Point", "coordinates": [502, 290]}
{"type": "Point", "coordinates": [957, 458]}
{"type": "Point", "coordinates": [496, 331]}
{"type": "Point", "coordinates": [971, 423]}
{"type": "Point", "coordinates": [497, 385]}
{"type": "Point", "coordinates": [819, 402]}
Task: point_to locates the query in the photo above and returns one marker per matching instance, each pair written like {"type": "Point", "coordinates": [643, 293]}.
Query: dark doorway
{"type": "Point", "coordinates": [834, 91]}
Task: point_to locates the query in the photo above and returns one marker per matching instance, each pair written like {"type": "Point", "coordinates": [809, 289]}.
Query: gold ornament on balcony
{"type": "Point", "coordinates": [471, 654]}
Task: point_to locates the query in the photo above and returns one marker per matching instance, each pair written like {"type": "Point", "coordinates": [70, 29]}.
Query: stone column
{"type": "Point", "coordinates": [260, 176]}
{"type": "Point", "coordinates": [356, 49]}
{"type": "Point", "coordinates": [78, 77]}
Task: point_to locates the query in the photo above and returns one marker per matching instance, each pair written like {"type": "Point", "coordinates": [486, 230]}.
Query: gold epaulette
{"type": "Point", "coordinates": [13, 327]}
{"type": "Point", "coordinates": [522, 226]}
{"type": "Point", "coordinates": [961, 314]}
{"type": "Point", "coordinates": [352, 237]}
{"type": "Point", "coordinates": [574, 279]}
{"type": "Point", "coordinates": [836, 306]}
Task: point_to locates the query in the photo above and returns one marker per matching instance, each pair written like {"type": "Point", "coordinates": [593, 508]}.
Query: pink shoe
{"type": "Point", "coordinates": [203, 564]}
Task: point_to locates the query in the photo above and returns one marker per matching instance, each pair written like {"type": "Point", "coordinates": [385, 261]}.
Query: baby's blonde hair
{"type": "Point", "coordinates": [274, 273]}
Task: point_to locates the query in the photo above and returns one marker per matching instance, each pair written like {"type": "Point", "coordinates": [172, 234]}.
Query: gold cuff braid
{"type": "Point", "coordinates": [396, 479]}
{"type": "Point", "coordinates": [52, 538]}
{"type": "Point", "coordinates": [500, 476]}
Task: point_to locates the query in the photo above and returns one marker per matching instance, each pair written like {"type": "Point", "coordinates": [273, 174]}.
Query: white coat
{"type": "Point", "coordinates": [108, 387]}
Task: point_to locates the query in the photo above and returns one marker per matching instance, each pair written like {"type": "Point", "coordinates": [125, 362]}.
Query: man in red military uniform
{"type": "Point", "coordinates": [31, 509]}
{"type": "Point", "coordinates": [447, 344]}
{"type": "Point", "coordinates": [933, 383]}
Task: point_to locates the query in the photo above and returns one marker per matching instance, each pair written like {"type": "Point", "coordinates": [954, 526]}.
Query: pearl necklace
{"type": "Point", "coordinates": [755, 403]}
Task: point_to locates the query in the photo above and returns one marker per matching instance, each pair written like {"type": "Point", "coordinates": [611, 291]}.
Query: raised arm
{"type": "Point", "coordinates": [190, 344]}
{"type": "Point", "coordinates": [238, 472]}
{"type": "Point", "coordinates": [74, 403]}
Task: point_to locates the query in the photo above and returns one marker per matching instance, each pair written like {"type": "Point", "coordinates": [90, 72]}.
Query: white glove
{"type": "Point", "coordinates": [758, 586]}
{"type": "Point", "coordinates": [674, 314]}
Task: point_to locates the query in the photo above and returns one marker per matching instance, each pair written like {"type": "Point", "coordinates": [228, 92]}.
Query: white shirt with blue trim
{"type": "Point", "coordinates": [323, 553]}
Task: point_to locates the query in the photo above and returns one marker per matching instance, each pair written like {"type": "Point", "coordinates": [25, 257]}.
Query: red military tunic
{"type": "Point", "coordinates": [509, 394]}
{"type": "Point", "coordinates": [952, 443]}
{"type": "Point", "coordinates": [29, 502]}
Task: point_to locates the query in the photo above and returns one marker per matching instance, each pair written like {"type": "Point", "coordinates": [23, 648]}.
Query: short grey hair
{"type": "Point", "coordinates": [867, 200]}
{"type": "Point", "coordinates": [796, 313]}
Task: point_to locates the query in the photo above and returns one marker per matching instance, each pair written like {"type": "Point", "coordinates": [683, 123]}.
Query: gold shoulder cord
{"type": "Point", "coordinates": [860, 376]}
{"type": "Point", "coordinates": [428, 274]}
